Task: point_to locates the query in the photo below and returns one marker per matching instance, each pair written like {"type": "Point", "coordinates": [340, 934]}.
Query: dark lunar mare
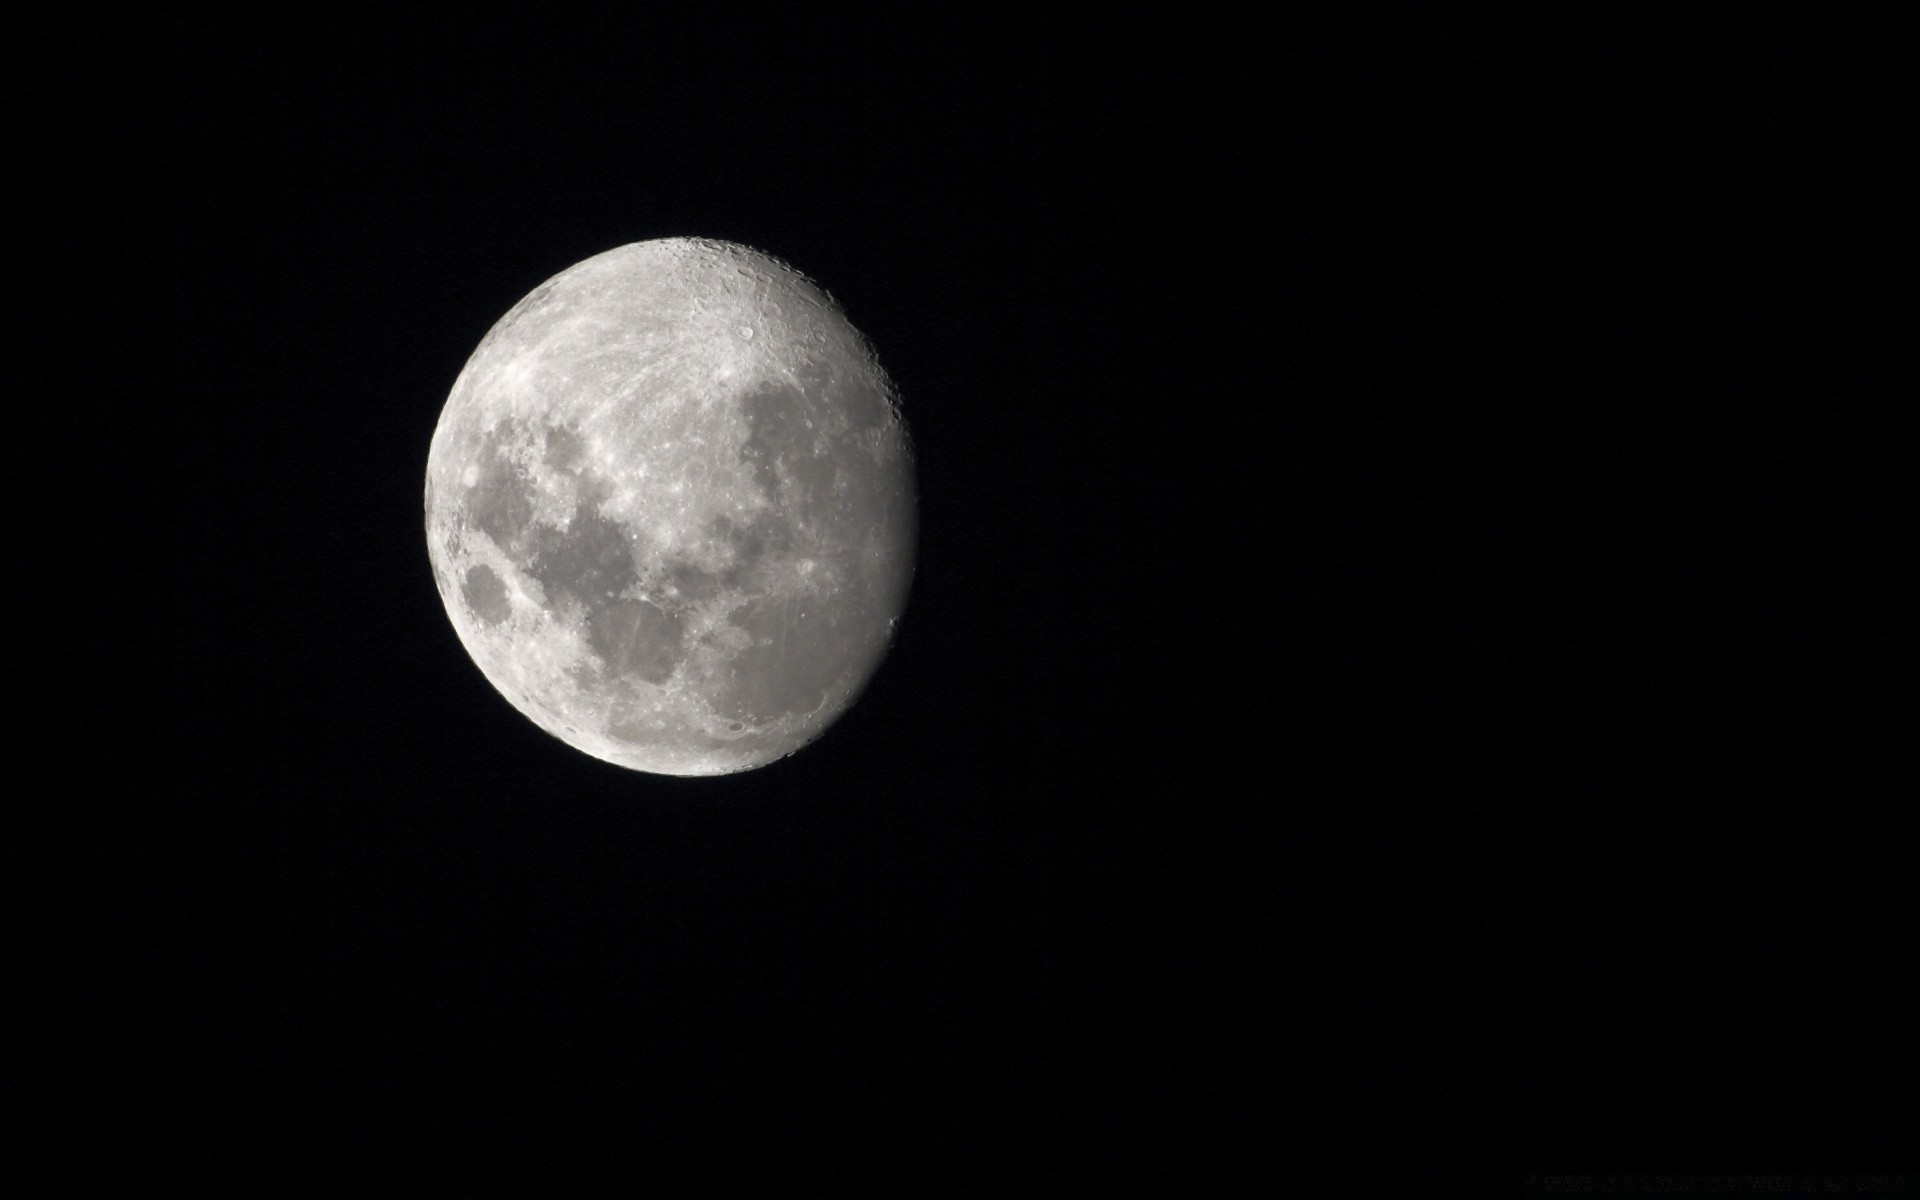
{"type": "Point", "coordinates": [485, 595]}
{"type": "Point", "coordinates": [806, 460]}
{"type": "Point", "coordinates": [500, 503]}
{"type": "Point", "coordinates": [590, 561]}
{"type": "Point", "coordinates": [635, 637]}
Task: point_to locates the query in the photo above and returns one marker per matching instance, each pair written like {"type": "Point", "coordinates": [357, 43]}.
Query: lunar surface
{"type": "Point", "coordinates": [670, 508]}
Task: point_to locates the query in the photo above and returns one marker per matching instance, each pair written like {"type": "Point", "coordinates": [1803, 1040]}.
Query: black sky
{"type": "Point", "coordinates": [1385, 679]}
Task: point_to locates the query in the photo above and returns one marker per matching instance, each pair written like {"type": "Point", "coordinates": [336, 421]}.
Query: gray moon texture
{"type": "Point", "coordinates": [670, 508]}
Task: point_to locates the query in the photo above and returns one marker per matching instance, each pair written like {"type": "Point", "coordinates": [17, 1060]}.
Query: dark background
{"type": "Point", "coordinates": [1381, 485]}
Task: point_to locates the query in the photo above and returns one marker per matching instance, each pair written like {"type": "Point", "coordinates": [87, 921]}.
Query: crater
{"type": "Point", "coordinates": [485, 595]}
{"type": "Point", "coordinates": [636, 638]}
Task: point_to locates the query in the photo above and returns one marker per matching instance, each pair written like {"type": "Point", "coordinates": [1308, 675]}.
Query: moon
{"type": "Point", "coordinates": [670, 508]}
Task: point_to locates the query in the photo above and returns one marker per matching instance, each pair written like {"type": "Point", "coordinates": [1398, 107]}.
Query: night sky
{"type": "Point", "coordinates": [1387, 679]}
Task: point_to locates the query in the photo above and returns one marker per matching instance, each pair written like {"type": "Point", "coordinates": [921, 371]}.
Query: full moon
{"type": "Point", "coordinates": [670, 508]}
